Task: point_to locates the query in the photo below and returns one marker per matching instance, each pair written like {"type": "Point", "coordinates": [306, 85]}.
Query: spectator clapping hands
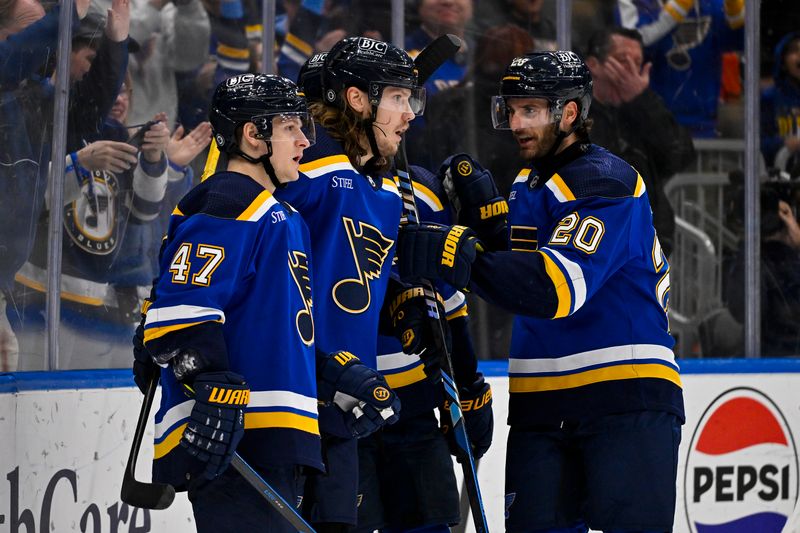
{"type": "Point", "coordinates": [156, 139]}
{"type": "Point", "coordinates": [183, 148]}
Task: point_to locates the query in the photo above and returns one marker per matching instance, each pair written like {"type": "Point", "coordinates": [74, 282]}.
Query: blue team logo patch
{"type": "Point", "coordinates": [509, 501]}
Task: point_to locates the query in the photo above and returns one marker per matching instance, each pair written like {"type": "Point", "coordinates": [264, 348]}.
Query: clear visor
{"type": "Point", "coordinates": [510, 112]}
{"type": "Point", "coordinates": [292, 127]}
{"type": "Point", "coordinates": [403, 100]}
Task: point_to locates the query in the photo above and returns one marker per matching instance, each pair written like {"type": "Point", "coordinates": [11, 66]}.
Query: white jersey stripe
{"type": "Point", "coordinates": [632, 353]}
{"type": "Point", "coordinates": [392, 361]}
{"type": "Point", "coordinates": [283, 398]}
{"type": "Point", "coordinates": [576, 277]}
{"type": "Point", "coordinates": [156, 315]}
{"type": "Point", "coordinates": [325, 169]}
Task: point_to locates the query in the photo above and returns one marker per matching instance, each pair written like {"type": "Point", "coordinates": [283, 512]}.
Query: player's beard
{"type": "Point", "coordinates": [543, 140]}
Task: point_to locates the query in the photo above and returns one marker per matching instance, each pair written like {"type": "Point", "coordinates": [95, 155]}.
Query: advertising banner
{"type": "Point", "coordinates": [66, 439]}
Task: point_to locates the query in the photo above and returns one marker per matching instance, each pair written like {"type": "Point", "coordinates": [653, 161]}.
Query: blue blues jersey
{"type": "Point", "coordinates": [685, 47]}
{"type": "Point", "coordinates": [353, 220]}
{"type": "Point", "coordinates": [405, 373]}
{"type": "Point", "coordinates": [235, 286]}
{"type": "Point", "coordinates": [607, 348]}
{"type": "Point", "coordinates": [780, 108]}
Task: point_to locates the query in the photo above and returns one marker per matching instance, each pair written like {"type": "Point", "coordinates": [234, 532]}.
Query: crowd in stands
{"type": "Point", "coordinates": [666, 73]}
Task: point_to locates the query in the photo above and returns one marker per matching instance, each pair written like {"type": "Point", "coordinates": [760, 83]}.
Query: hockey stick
{"type": "Point", "coordinates": [161, 495]}
{"type": "Point", "coordinates": [140, 493]}
{"type": "Point", "coordinates": [428, 60]}
{"type": "Point", "coordinates": [275, 500]}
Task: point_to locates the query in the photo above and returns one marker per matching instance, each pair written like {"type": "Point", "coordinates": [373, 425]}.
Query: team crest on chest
{"type": "Point", "coordinates": [298, 266]}
{"type": "Point", "coordinates": [91, 220]}
{"type": "Point", "coordinates": [369, 249]}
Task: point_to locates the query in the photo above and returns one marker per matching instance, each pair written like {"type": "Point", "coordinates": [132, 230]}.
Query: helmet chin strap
{"type": "Point", "coordinates": [370, 166]}
{"type": "Point", "coordinates": [560, 136]}
{"type": "Point", "coordinates": [265, 162]}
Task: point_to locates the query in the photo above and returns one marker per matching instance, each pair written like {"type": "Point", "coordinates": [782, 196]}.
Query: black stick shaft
{"type": "Point", "coordinates": [138, 493]}
{"type": "Point", "coordinates": [451, 390]}
{"type": "Point", "coordinates": [277, 502]}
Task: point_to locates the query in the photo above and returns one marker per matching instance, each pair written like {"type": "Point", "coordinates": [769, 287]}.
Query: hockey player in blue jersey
{"type": "Point", "coordinates": [230, 321]}
{"type": "Point", "coordinates": [406, 473]}
{"type": "Point", "coordinates": [368, 95]}
{"type": "Point", "coordinates": [595, 394]}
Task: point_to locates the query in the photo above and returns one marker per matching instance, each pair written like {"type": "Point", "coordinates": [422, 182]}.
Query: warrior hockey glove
{"type": "Point", "coordinates": [474, 194]}
{"type": "Point", "coordinates": [360, 391]}
{"type": "Point", "coordinates": [417, 331]}
{"type": "Point", "coordinates": [433, 251]}
{"type": "Point", "coordinates": [476, 406]}
{"type": "Point", "coordinates": [216, 424]}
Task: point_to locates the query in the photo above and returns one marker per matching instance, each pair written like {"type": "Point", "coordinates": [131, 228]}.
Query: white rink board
{"type": "Point", "coordinates": [64, 451]}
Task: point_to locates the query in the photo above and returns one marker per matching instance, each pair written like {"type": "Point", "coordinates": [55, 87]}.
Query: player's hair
{"type": "Point", "coordinates": [348, 128]}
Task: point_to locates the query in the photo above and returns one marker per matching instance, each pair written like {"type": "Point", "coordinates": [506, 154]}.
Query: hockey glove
{"type": "Point", "coordinates": [474, 194]}
{"type": "Point", "coordinates": [417, 331]}
{"type": "Point", "coordinates": [144, 368]}
{"type": "Point", "coordinates": [476, 406]}
{"type": "Point", "coordinates": [433, 251]}
{"type": "Point", "coordinates": [358, 390]}
{"type": "Point", "coordinates": [216, 424]}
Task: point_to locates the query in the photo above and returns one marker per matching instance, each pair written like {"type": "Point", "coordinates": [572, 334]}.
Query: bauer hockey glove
{"type": "Point", "coordinates": [476, 406]}
{"type": "Point", "coordinates": [473, 192]}
{"type": "Point", "coordinates": [216, 424]}
{"type": "Point", "coordinates": [358, 390]}
{"type": "Point", "coordinates": [433, 251]}
{"type": "Point", "coordinates": [410, 322]}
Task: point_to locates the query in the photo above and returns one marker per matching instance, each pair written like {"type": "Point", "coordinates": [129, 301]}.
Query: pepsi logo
{"type": "Point", "coordinates": [741, 470]}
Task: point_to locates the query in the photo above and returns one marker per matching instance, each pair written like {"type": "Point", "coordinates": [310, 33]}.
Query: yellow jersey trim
{"type": "Point", "coordinates": [254, 206]}
{"type": "Point", "coordinates": [461, 312]}
{"type": "Point", "coordinates": [598, 375]}
{"type": "Point", "coordinates": [169, 443]}
{"type": "Point", "coordinates": [37, 286]}
{"type": "Point", "coordinates": [300, 44]}
{"type": "Point", "coordinates": [562, 287]}
{"type": "Point", "coordinates": [233, 52]}
{"type": "Point", "coordinates": [154, 333]}
{"type": "Point", "coordinates": [251, 421]}
{"type": "Point", "coordinates": [277, 419]}
{"type": "Point", "coordinates": [558, 181]}
{"type": "Point", "coordinates": [640, 188]}
{"type": "Point", "coordinates": [423, 190]}
{"type": "Point", "coordinates": [323, 162]}
{"type": "Point", "coordinates": [408, 377]}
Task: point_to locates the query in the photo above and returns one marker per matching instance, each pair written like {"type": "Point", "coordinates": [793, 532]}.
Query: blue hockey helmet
{"type": "Point", "coordinates": [369, 65]}
{"type": "Point", "coordinates": [255, 98]}
{"type": "Point", "coordinates": [558, 77]}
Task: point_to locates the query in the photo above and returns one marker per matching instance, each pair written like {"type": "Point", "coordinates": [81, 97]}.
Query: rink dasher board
{"type": "Point", "coordinates": [67, 436]}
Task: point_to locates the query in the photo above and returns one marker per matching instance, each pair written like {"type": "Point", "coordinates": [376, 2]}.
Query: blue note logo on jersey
{"type": "Point", "coordinates": [369, 248]}
{"type": "Point", "coordinates": [91, 220]}
{"type": "Point", "coordinates": [298, 266]}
